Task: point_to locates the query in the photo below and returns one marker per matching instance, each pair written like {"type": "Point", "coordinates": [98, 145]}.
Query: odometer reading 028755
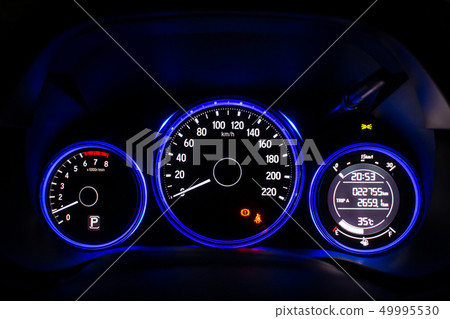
{"type": "Point", "coordinates": [229, 174]}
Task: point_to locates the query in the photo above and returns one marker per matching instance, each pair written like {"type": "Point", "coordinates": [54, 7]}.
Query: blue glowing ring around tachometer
{"type": "Point", "coordinates": [318, 178]}
{"type": "Point", "coordinates": [284, 124]}
{"type": "Point", "coordinates": [138, 176]}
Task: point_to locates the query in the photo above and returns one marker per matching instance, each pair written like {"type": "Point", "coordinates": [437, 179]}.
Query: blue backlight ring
{"type": "Point", "coordinates": [137, 174]}
{"type": "Point", "coordinates": [315, 183]}
{"type": "Point", "coordinates": [284, 125]}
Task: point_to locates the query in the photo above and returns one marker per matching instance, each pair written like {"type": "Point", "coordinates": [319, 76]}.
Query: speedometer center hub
{"type": "Point", "coordinates": [227, 172]}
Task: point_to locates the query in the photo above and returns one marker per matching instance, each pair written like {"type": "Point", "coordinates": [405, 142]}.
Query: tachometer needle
{"type": "Point", "coordinates": [62, 208]}
{"type": "Point", "coordinates": [193, 187]}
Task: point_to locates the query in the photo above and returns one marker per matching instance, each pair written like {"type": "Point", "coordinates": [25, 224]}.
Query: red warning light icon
{"type": "Point", "coordinates": [245, 212]}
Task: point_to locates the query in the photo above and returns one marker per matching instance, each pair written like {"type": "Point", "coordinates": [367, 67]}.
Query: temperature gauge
{"type": "Point", "coordinates": [365, 199]}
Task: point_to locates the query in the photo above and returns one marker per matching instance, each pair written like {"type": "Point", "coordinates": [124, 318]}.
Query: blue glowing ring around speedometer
{"type": "Point", "coordinates": [93, 169]}
{"type": "Point", "coordinates": [377, 160]}
{"type": "Point", "coordinates": [176, 131]}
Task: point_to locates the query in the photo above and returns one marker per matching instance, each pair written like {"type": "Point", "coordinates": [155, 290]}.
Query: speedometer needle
{"type": "Point", "coordinates": [62, 208]}
{"type": "Point", "coordinates": [193, 187]}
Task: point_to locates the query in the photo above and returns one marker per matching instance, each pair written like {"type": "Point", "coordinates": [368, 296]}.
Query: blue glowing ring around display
{"type": "Point", "coordinates": [138, 176]}
{"type": "Point", "coordinates": [284, 124]}
{"type": "Point", "coordinates": [363, 147]}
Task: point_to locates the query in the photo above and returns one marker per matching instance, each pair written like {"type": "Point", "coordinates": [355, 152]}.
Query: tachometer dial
{"type": "Point", "coordinates": [229, 173]}
{"type": "Point", "coordinates": [93, 195]}
{"type": "Point", "coordinates": [365, 199]}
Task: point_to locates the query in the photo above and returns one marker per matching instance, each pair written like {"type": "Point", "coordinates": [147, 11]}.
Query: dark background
{"type": "Point", "coordinates": [27, 26]}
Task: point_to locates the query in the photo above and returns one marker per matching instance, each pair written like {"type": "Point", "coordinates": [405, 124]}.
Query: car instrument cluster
{"type": "Point", "coordinates": [229, 173]}
{"type": "Point", "coordinates": [239, 150]}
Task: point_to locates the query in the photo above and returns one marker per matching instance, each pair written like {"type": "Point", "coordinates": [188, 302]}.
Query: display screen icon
{"type": "Point", "coordinates": [94, 222]}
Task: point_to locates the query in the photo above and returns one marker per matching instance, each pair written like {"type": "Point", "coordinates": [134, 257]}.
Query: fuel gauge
{"type": "Point", "coordinates": [365, 199]}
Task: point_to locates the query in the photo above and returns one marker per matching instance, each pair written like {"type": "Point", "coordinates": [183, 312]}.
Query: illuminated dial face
{"type": "Point", "coordinates": [365, 199]}
{"type": "Point", "coordinates": [229, 174]}
{"type": "Point", "coordinates": [91, 198]}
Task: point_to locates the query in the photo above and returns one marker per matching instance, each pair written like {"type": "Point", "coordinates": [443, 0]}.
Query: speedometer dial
{"type": "Point", "coordinates": [229, 173]}
{"type": "Point", "coordinates": [365, 199]}
{"type": "Point", "coordinates": [93, 195]}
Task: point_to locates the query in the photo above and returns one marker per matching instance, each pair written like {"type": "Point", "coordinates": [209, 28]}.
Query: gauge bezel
{"type": "Point", "coordinates": [282, 122]}
{"type": "Point", "coordinates": [316, 183]}
{"type": "Point", "coordinates": [138, 177]}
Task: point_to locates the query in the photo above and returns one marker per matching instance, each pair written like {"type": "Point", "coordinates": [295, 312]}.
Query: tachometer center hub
{"type": "Point", "coordinates": [88, 196]}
